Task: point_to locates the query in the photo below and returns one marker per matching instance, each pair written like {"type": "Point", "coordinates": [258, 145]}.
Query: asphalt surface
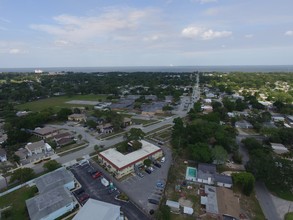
{"type": "Point", "coordinates": [98, 191]}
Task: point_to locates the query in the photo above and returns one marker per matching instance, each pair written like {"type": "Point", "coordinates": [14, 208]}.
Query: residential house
{"type": "Point", "coordinates": [22, 153]}
{"type": "Point", "coordinates": [223, 180]}
{"type": "Point", "coordinates": [46, 132]}
{"type": "Point", "coordinates": [126, 122]}
{"type": "Point", "coordinates": [77, 117]}
{"type": "Point", "coordinates": [3, 155]}
{"type": "Point", "coordinates": [205, 173]}
{"type": "Point", "coordinates": [38, 147]}
{"type": "Point", "coordinates": [63, 139]}
{"type": "Point", "coordinates": [279, 148]}
{"type": "Point", "coordinates": [289, 120]}
{"type": "Point", "coordinates": [123, 104]}
{"type": "Point", "coordinates": [106, 128]}
{"type": "Point", "coordinates": [153, 108]}
{"type": "Point", "coordinates": [278, 118]}
{"type": "Point", "coordinates": [98, 210]}
{"type": "Point", "coordinates": [243, 124]}
{"type": "Point", "coordinates": [174, 206]}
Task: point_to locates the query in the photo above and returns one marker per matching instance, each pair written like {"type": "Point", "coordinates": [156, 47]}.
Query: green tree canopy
{"type": "Point", "coordinates": [22, 175]}
{"type": "Point", "coordinates": [219, 154]}
{"type": "Point", "coordinates": [245, 180]}
{"type": "Point", "coordinates": [51, 165]}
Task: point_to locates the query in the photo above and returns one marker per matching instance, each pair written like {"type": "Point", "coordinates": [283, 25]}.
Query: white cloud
{"type": "Point", "coordinates": [204, 33]}
{"type": "Point", "coordinates": [211, 11]}
{"type": "Point", "coordinates": [248, 36]}
{"type": "Point", "coordinates": [73, 28]}
{"type": "Point", "coordinates": [152, 38]}
{"type": "Point", "coordinates": [206, 1]}
{"type": "Point", "coordinates": [16, 51]}
{"type": "Point", "coordinates": [289, 33]}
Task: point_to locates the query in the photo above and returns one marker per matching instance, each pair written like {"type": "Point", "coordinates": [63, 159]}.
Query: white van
{"type": "Point", "coordinates": [163, 160]}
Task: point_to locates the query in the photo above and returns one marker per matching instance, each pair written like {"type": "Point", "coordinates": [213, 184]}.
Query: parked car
{"type": "Point", "coordinates": [153, 201]}
{"type": "Point", "coordinates": [157, 164]}
{"type": "Point", "coordinates": [140, 175]}
{"type": "Point", "coordinates": [163, 159]}
{"type": "Point", "coordinates": [95, 175]}
{"type": "Point", "coordinates": [151, 169]}
{"type": "Point", "coordinates": [147, 170]}
{"type": "Point", "coordinates": [83, 197]}
{"type": "Point", "coordinates": [79, 191]}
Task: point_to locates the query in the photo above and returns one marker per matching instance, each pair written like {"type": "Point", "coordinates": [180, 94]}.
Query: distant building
{"type": "Point", "coordinates": [77, 117]}
{"type": "Point", "coordinates": [174, 206]}
{"type": "Point", "coordinates": [46, 132]}
{"type": "Point", "coordinates": [279, 148]}
{"type": "Point", "coordinates": [98, 210]}
{"type": "Point", "coordinates": [243, 124]}
{"type": "Point", "coordinates": [121, 164]}
{"type": "Point", "coordinates": [22, 153]}
{"type": "Point", "coordinates": [127, 122]}
{"type": "Point", "coordinates": [37, 147]}
{"type": "Point", "coordinates": [106, 128]}
{"type": "Point", "coordinates": [206, 172]}
{"type": "Point", "coordinates": [3, 156]}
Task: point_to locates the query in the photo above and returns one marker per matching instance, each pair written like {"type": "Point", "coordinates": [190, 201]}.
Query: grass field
{"type": "Point", "coordinates": [16, 200]}
{"type": "Point", "coordinates": [58, 102]}
{"type": "Point", "coordinates": [280, 192]}
{"type": "Point", "coordinates": [289, 216]}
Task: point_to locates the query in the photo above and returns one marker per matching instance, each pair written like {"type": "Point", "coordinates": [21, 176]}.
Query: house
{"type": "Point", "coordinates": [278, 118]}
{"type": "Point", "coordinates": [37, 147]}
{"type": "Point", "coordinates": [220, 202]}
{"type": "Point", "coordinates": [243, 124]}
{"type": "Point", "coordinates": [279, 148]}
{"type": "Point", "coordinates": [223, 180]}
{"type": "Point", "coordinates": [3, 138]}
{"type": "Point", "coordinates": [3, 156]}
{"type": "Point", "coordinates": [106, 128]}
{"type": "Point", "coordinates": [22, 153]}
{"type": "Point", "coordinates": [289, 120]}
{"type": "Point", "coordinates": [98, 210]}
{"type": "Point", "coordinates": [63, 135]}
{"type": "Point", "coordinates": [153, 108]}
{"type": "Point", "coordinates": [77, 117]}
{"type": "Point", "coordinates": [54, 198]}
{"type": "Point", "coordinates": [51, 204]}
{"type": "Point", "coordinates": [123, 104]}
{"type": "Point", "coordinates": [205, 173]}
{"type": "Point", "coordinates": [174, 206]}
{"type": "Point", "coordinates": [126, 122]}
{"type": "Point", "coordinates": [59, 177]}
{"type": "Point", "coordinates": [121, 165]}
{"type": "Point", "coordinates": [46, 132]}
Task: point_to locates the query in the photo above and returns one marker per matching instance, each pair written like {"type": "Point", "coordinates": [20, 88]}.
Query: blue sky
{"type": "Point", "coordinates": [80, 33]}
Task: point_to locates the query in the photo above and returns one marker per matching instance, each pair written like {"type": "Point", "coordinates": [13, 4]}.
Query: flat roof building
{"type": "Point", "coordinates": [51, 204]}
{"type": "Point", "coordinates": [121, 164]}
{"type": "Point", "coordinates": [98, 210]}
{"type": "Point", "coordinates": [279, 148]}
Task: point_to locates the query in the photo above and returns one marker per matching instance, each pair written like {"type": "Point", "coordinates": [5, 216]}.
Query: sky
{"type": "Point", "coordinates": [94, 33]}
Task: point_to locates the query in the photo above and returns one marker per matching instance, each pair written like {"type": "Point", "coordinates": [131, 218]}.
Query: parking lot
{"type": "Point", "coordinates": [96, 190]}
{"type": "Point", "coordinates": [150, 186]}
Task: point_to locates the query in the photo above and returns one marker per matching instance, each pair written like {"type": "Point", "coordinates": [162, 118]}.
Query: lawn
{"type": "Point", "coordinates": [280, 192]}
{"type": "Point", "coordinates": [289, 216]}
{"type": "Point", "coordinates": [16, 199]}
{"type": "Point", "coordinates": [58, 102]}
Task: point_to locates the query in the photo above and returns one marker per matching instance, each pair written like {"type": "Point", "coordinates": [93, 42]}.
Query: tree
{"type": "Point", "coordinates": [219, 154]}
{"type": "Point", "coordinates": [63, 114]}
{"type": "Point", "coordinates": [51, 165]}
{"type": "Point", "coordinates": [134, 134]}
{"type": "Point", "coordinates": [22, 175]}
{"type": "Point", "coordinates": [245, 180]}
{"type": "Point", "coordinates": [200, 152]}
{"type": "Point", "coordinates": [147, 162]}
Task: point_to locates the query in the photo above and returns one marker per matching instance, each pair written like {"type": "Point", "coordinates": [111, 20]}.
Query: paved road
{"type": "Point", "coordinates": [266, 202]}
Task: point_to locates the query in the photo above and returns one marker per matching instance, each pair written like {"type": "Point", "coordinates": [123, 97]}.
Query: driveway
{"type": "Point", "coordinates": [273, 207]}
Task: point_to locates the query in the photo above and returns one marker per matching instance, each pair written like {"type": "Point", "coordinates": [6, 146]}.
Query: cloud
{"type": "Point", "coordinates": [289, 33]}
{"type": "Point", "coordinates": [205, 1]}
{"type": "Point", "coordinates": [204, 33]}
{"type": "Point", "coordinates": [152, 38]}
{"type": "Point", "coordinates": [74, 28]}
{"type": "Point", "coordinates": [16, 51]}
{"type": "Point", "coordinates": [248, 36]}
{"type": "Point", "coordinates": [212, 11]}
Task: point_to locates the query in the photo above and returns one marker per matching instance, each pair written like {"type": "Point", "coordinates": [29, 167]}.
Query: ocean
{"type": "Point", "coordinates": [174, 69]}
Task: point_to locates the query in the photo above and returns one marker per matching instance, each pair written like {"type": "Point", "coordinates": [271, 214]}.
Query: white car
{"type": "Point", "coordinates": [151, 169]}
{"type": "Point", "coordinates": [163, 160]}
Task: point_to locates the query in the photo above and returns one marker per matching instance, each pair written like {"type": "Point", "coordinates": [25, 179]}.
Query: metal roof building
{"type": "Point", "coordinates": [98, 210]}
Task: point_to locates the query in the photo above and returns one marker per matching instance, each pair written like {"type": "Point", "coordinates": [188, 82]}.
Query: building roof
{"type": "Point", "coordinates": [51, 180]}
{"type": "Point", "coordinates": [45, 130]}
{"type": "Point", "coordinates": [223, 179]}
{"type": "Point", "coordinates": [22, 153]}
{"type": "Point", "coordinates": [279, 148]}
{"type": "Point", "coordinates": [120, 160]}
{"type": "Point", "coordinates": [228, 204]}
{"type": "Point", "coordinates": [206, 170]}
{"type": "Point", "coordinates": [44, 204]}
{"type": "Point", "coordinates": [98, 210]}
{"type": "Point", "coordinates": [243, 124]}
{"type": "Point", "coordinates": [35, 145]}
{"type": "Point", "coordinates": [211, 202]}
{"type": "Point", "coordinates": [76, 116]}
{"type": "Point", "coordinates": [172, 204]}
{"type": "Point", "coordinates": [62, 135]}
{"type": "Point", "coordinates": [64, 141]}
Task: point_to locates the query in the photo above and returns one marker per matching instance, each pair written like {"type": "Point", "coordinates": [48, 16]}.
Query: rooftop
{"type": "Point", "coordinates": [223, 179]}
{"type": "Point", "coordinates": [279, 148]}
{"type": "Point", "coordinates": [45, 130]}
{"type": "Point", "coordinates": [35, 145]}
{"type": "Point", "coordinates": [98, 210]}
{"type": "Point", "coordinates": [120, 160]}
{"type": "Point", "coordinates": [44, 204]}
{"type": "Point", "coordinates": [211, 201]}
{"type": "Point", "coordinates": [53, 179]}
{"type": "Point", "coordinates": [205, 170]}
{"type": "Point", "coordinates": [228, 204]}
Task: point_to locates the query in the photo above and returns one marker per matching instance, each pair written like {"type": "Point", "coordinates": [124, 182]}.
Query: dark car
{"type": "Point", "coordinates": [78, 191]}
{"type": "Point", "coordinates": [147, 170]}
{"type": "Point", "coordinates": [153, 201]}
{"type": "Point", "coordinates": [157, 164]}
